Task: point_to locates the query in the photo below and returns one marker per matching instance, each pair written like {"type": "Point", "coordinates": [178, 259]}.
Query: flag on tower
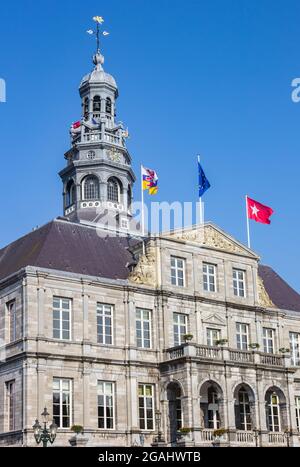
{"type": "Point", "coordinates": [149, 180]}
{"type": "Point", "coordinates": [203, 182]}
{"type": "Point", "coordinates": [258, 212]}
{"type": "Point", "coordinates": [76, 124]}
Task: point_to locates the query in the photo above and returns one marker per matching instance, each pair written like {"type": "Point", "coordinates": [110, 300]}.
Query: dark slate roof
{"type": "Point", "coordinates": [281, 294]}
{"type": "Point", "coordinates": [71, 247]}
{"type": "Point", "coordinates": [77, 248]}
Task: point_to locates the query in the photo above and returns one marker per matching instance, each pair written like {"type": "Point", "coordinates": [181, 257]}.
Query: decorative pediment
{"type": "Point", "coordinates": [145, 270]}
{"type": "Point", "coordinates": [263, 296]}
{"type": "Point", "coordinates": [212, 237]}
{"type": "Point", "coordinates": [214, 318]}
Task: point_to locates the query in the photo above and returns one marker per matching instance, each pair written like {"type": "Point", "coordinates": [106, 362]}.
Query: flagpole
{"type": "Point", "coordinates": [248, 226]}
{"type": "Point", "coordinates": [142, 210]}
{"type": "Point", "coordinates": [201, 210]}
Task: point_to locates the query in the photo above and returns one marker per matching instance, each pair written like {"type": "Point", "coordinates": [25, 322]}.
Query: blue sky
{"type": "Point", "coordinates": [195, 76]}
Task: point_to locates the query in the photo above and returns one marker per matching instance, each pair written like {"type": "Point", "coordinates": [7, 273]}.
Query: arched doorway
{"type": "Point", "coordinates": [174, 395]}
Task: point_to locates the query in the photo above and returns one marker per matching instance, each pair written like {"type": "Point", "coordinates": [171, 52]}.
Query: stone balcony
{"type": "Point", "coordinates": [220, 354]}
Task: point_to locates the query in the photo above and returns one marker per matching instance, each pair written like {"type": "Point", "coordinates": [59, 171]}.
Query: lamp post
{"type": "Point", "coordinates": [44, 434]}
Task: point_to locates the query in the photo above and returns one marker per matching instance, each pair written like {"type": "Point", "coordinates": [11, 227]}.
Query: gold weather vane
{"type": "Point", "coordinates": [96, 32]}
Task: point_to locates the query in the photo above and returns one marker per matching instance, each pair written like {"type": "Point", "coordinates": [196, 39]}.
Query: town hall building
{"type": "Point", "coordinates": [177, 339]}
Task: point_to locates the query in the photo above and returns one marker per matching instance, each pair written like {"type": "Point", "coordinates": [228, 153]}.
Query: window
{"type": "Point", "coordinates": [113, 190]}
{"type": "Point", "coordinates": [239, 282]}
{"type": "Point", "coordinates": [244, 411]}
{"type": "Point", "coordinates": [213, 335]}
{"type": "Point", "coordinates": [297, 405]}
{"type": "Point", "coordinates": [124, 224]}
{"type": "Point", "coordinates": [106, 396]}
{"type": "Point", "coordinates": [96, 104]}
{"type": "Point", "coordinates": [86, 107]}
{"type": "Point", "coordinates": [143, 328]}
{"type": "Point", "coordinates": [242, 336]}
{"type": "Point", "coordinates": [108, 106]}
{"type": "Point", "coordinates": [12, 319]}
{"type": "Point", "coordinates": [71, 193]}
{"type": "Point", "coordinates": [61, 318]}
{"type": "Point", "coordinates": [104, 324]}
{"type": "Point", "coordinates": [209, 277]}
{"type": "Point", "coordinates": [273, 412]}
{"type": "Point", "coordinates": [295, 346]}
{"type": "Point", "coordinates": [90, 188]}
{"type": "Point", "coordinates": [268, 340]}
{"type": "Point", "coordinates": [177, 271]}
{"type": "Point", "coordinates": [213, 409]}
{"type": "Point", "coordinates": [179, 327]}
{"type": "Point", "coordinates": [146, 406]}
{"type": "Point", "coordinates": [10, 395]}
{"type": "Point", "coordinates": [62, 402]}
{"type": "Point", "coordinates": [129, 198]}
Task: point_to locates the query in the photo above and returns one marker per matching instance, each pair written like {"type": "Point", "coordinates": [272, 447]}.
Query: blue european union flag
{"type": "Point", "coordinates": [203, 182]}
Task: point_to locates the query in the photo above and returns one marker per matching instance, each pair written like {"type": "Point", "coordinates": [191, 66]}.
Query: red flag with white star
{"type": "Point", "coordinates": [258, 212]}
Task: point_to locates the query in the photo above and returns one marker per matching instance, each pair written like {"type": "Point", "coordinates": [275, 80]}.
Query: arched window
{"type": "Point", "coordinates": [129, 197]}
{"type": "Point", "coordinates": [244, 418]}
{"type": "Point", "coordinates": [273, 411]}
{"type": "Point", "coordinates": [96, 104]}
{"type": "Point", "coordinates": [86, 107]}
{"type": "Point", "coordinates": [213, 409]}
{"type": "Point", "coordinates": [113, 190]}
{"type": "Point", "coordinates": [70, 193]}
{"type": "Point", "coordinates": [90, 188]}
{"type": "Point", "coordinates": [108, 105]}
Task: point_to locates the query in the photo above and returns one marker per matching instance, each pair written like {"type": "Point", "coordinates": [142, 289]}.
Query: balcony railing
{"type": "Point", "coordinates": [245, 437]}
{"type": "Point", "coordinates": [99, 136]}
{"type": "Point", "coordinates": [220, 354]}
{"type": "Point", "coordinates": [277, 438]}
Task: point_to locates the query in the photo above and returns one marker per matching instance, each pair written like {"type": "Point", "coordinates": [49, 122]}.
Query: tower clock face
{"type": "Point", "coordinates": [91, 155]}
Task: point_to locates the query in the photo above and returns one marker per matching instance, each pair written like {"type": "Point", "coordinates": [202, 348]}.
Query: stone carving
{"type": "Point", "coordinates": [145, 271]}
{"type": "Point", "coordinates": [263, 297]}
{"type": "Point", "coordinates": [210, 237]}
{"type": "Point", "coordinates": [214, 239]}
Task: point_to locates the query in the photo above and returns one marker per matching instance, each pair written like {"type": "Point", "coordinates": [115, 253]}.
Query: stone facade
{"type": "Point", "coordinates": [34, 358]}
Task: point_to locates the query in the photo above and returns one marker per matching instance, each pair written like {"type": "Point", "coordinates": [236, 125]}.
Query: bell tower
{"type": "Point", "coordinates": [98, 178]}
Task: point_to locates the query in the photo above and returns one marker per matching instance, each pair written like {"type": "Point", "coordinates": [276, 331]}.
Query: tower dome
{"type": "Point", "coordinates": [98, 75]}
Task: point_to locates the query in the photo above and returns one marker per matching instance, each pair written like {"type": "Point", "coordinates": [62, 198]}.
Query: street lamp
{"type": "Point", "coordinates": [45, 434]}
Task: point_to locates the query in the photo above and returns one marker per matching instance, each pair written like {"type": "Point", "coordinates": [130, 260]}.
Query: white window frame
{"type": "Point", "coordinates": [103, 315]}
{"type": "Point", "coordinates": [60, 309]}
{"type": "Point", "coordinates": [145, 397]}
{"type": "Point", "coordinates": [209, 337]}
{"type": "Point", "coordinates": [241, 333]}
{"type": "Point", "coordinates": [142, 322]}
{"type": "Point", "coordinates": [239, 284]}
{"type": "Point", "coordinates": [11, 404]}
{"type": "Point", "coordinates": [207, 275]}
{"type": "Point", "coordinates": [177, 323]}
{"type": "Point", "coordinates": [175, 269]}
{"type": "Point", "coordinates": [12, 320]}
{"type": "Point", "coordinates": [244, 413]}
{"type": "Point", "coordinates": [297, 407]}
{"type": "Point", "coordinates": [294, 339]}
{"type": "Point", "coordinates": [267, 339]}
{"type": "Point", "coordinates": [271, 415]}
{"type": "Point", "coordinates": [61, 392]}
{"type": "Point", "coordinates": [106, 394]}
